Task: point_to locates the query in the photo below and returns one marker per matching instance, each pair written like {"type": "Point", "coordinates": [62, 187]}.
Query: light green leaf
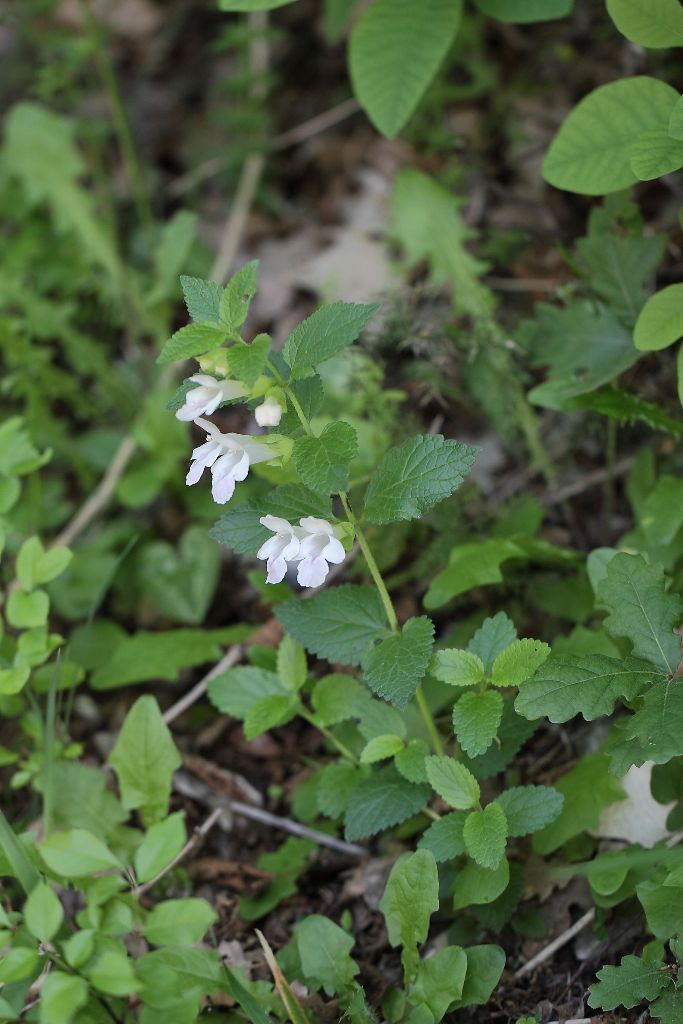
{"type": "Point", "coordinates": [660, 322]}
{"type": "Point", "coordinates": [181, 581]}
{"type": "Point", "coordinates": [587, 790]}
{"type": "Point", "coordinates": [383, 800]}
{"type": "Point", "coordinates": [410, 898]}
{"type": "Point", "coordinates": [484, 967]}
{"type": "Point", "coordinates": [202, 299]}
{"type": "Point", "coordinates": [337, 624]}
{"type": "Point", "coordinates": [414, 476]}
{"type": "Point", "coordinates": [277, 709]}
{"type": "Point", "coordinates": [336, 782]}
{"type": "Point", "coordinates": [457, 668]}
{"type": "Point", "coordinates": [13, 680]}
{"type": "Point", "coordinates": [61, 997]}
{"type": "Point", "coordinates": [27, 610]}
{"type": "Point", "coordinates": [170, 254]}
{"type": "Point", "coordinates": [444, 838]}
{"type": "Point", "coordinates": [247, 361]}
{"type": "Point", "coordinates": [35, 565]}
{"type": "Point", "coordinates": [144, 759]}
{"type": "Point", "coordinates": [476, 717]}
{"type": "Point", "coordinates": [485, 833]}
{"type": "Point", "coordinates": [379, 748]}
{"type": "Point", "coordinates": [336, 698]}
{"type": "Point", "coordinates": [394, 668]}
{"type": "Point", "coordinates": [80, 799]}
{"type": "Point", "coordinates": [635, 595]}
{"type": "Point", "coordinates": [656, 24]}
{"type": "Point", "coordinates": [325, 333]}
{"type": "Point", "coordinates": [661, 514]}
{"type": "Point", "coordinates": [113, 974]}
{"type": "Point", "coordinates": [19, 963]}
{"type": "Point", "coordinates": [394, 52]}
{"type": "Point", "coordinates": [586, 684]}
{"type": "Point", "coordinates": [322, 462]}
{"type": "Point", "coordinates": [518, 662]}
{"type": "Point", "coordinates": [179, 922]}
{"type": "Point", "coordinates": [476, 886]}
{"type": "Point", "coordinates": [492, 637]}
{"type": "Point", "coordinates": [43, 913]}
{"type": "Point", "coordinates": [324, 951]}
{"type": "Point", "coordinates": [453, 782]}
{"type": "Point", "coordinates": [161, 844]}
{"type": "Point", "coordinates": [624, 407]}
{"type": "Point", "coordinates": [629, 983]}
{"type": "Point", "coordinates": [655, 154]}
{"type": "Point", "coordinates": [525, 11]}
{"type": "Point", "coordinates": [663, 906]}
{"type": "Point", "coordinates": [291, 664]}
{"type": "Point", "coordinates": [471, 565]}
{"type": "Point", "coordinates": [75, 853]}
{"type": "Point", "coordinates": [530, 808]}
{"type": "Point", "coordinates": [252, 5]}
{"type": "Point", "coordinates": [591, 152]}
{"type": "Point", "coordinates": [439, 980]}
{"type": "Point", "coordinates": [191, 341]}
{"type": "Point", "coordinates": [237, 296]}
{"type": "Point", "coordinates": [410, 761]}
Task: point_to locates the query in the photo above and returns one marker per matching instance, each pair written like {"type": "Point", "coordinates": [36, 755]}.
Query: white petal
{"type": "Point", "coordinates": [241, 470]}
{"type": "Point", "coordinates": [256, 451]}
{"type": "Point", "coordinates": [312, 572]}
{"type": "Point", "coordinates": [231, 389]}
{"type": "Point", "coordinates": [313, 544]}
{"type": "Point", "coordinates": [223, 489]}
{"type": "Point", "coordinates": [210, 428]}
{"type": "Point", "coordinates": [276, 524]}
{"type": "Point", "coordinates": [212, 404]}
{"type": "Point", "coordinates": [312, 525]}
{"type": "Point", "coordinates": [269, 413]}
{"type": "Point", "coordinates": [334, 552]}
{"type": "Point", "coordinates": [292, 550]}
{"type": "Point", "coordinates": [205, 379]}
{"type": "Point", "coordinates": [272, 548]}
{"type": "Point", "coordinates": [277, 570]}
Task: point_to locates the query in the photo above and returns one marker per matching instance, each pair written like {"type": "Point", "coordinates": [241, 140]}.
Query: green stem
{"type": "Point", "coordinates": [429, 721]}
{"type": "Point", "coordinates": [343, 750]}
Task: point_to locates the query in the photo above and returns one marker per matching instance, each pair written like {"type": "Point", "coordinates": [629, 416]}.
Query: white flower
{"type": "Point", "coordinates": [320, 545]}
{"type": "Point", "coordinates": [208, 395]}
{"type": "Point", "coordinates": [279, 549]}
{"type": "Point", "coordinates": [228, 456]}
{"type": "Point", "coordinates": [269, 413]}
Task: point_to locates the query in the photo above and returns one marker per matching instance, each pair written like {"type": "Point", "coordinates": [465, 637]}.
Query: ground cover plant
{"type": "Point", "coordinates": [341, 512]}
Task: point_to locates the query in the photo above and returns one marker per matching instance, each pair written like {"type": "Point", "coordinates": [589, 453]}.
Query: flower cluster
{"type": "Point", "coordinates": [314, 544]}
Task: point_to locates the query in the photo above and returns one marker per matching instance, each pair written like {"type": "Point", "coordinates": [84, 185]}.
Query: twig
{"type": "Point", "coordinates": [230, 658]}
{"type": "Point", "coordinates": [101, 496]}
{"type": "Point", "coordinates": [556, 944]}
{"type": "Point", "coordinates": [194, 839]}
{"type": "Point", "coordinates": [598, 476]}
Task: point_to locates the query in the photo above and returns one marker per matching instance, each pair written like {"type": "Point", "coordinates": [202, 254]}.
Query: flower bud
{"type": "Point", "coordinates": [269, 413]}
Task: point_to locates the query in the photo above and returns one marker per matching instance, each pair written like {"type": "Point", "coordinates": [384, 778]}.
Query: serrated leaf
{"type": "Point", "coordinates": [394, 52]}
{"type": "Point", "coordinates": [337, 624]}
{"type": "Point", "coordinates": [456, 667]}
{"type": "Point", "coordinates": [624, 407]}
{"type": "Point", "coordinates": [247, 361]}
{"type": "Point", "coordinates": [587, 790]}
{"type": "Point", "coordinates": [410, 898]}
{"type": "Point", "coordinates": [640, 609]}
{"type": "Point", "coordinates": [530, 808]}
{"type": "Point", "coordinates": [276, 709]}
{"type": "Point", "coordinates": [202, 299]}
{"type": "Point", "coordinates": [383, 800]}
{"type": "Point", "coordinates": [660, 322]}
{"type": "Point", "coordinates": [337, 698]}
{"type": "Point", "coordinates": [394, 668]}
{"type": "Point", "coordinates": [444, 837]}
{"type": "Point", "coordinates": [322, 462]}
{"type": "Point", "coordinates": [381, 747]}
{"type": "Point", "coordinates": [485, 834]}
{"type": "Point", "coordinates": [144, 759]}
{"type": "Point", "coordinates": [410, 761]}
{"type": "Point", "coordinates": [473, 564]}
{"type": "Point", "coordinates": [591, 152]}
{"type": "Point", "coordinates": [236, 691]}
{"type": "Point", "coordinates": [586, 684]}
{"type": "Point", "coordinates": [191, 341]}
{"type": "Point", "coordinates": [523, 12]}
{"type": "Point", "coordinates": [518, 662]}
{"type": "Point", "coordinates": [658, 724]}
{"type": "Point", "coordinates": [239, 528]}
{"type": "Point", "coordinates": [414, 476]}
{"type": "Point", "coordinates": [325, 333]}
{"type": "Point", "coordinates": [668, 1009]}
{"type": "Point", "coordinates": [237, 296]}
{"type": "Point", "coordinates": [512, 733]}
{"type": "Point", "coordinates": [336, 783]}
{"type": "Point", "coordinates": [476, 717]}
{"type": "Point", "coordinates": [655, 153]}
{"type": "Point", "coordinates": [656, 24]}
{"type": "Point", "coordinates": [492, 637]}
{"type": "Point", "coordinates": [629, 983]}
{"type": "Point", "coordinates": [453, 782]}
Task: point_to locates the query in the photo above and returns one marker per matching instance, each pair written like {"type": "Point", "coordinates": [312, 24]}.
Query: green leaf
{"type": "Point", "coordinates": [414, 476]}
{"type": "Point", "coordinates": [661, 515]}
{"type": "Point", "coordinates": [453, 782]}
{"type": "Point", "coordinates": [676, 120]}
{"type": "Point", "coordinates": [113, 974]}
{"type": "Point", "coordinates": [530, 808]}
{"type": "Point", "coordinates": [19, 963]}
{"type": "Point", "coordinates": [237, 296]}
{"type": "Point", "coordinates": [476, 886]}
{"type": "Point", "coordinates": [35, 565]}
{"type": "Point", "coordinates": [660, 322]}
{"type": "Point", "coordinates": [277, 709]}
{"type": "Point", "coordinates": [658, 723]}
{"type": "Point", "coordinates": [484, 967]}
{"type": "Point", "coordinates": [161, 844]}
{"type": "Point", "coordinates": [170, 254]}
{"type": "Point", "coordinates": [476, 717]}
{"type": "Point", "coordinates": [291, 664]}
{"type": "Point", "coordinates": [179, 922]}
{"type": "Point", "coordinates": [586, 684]}
{"type": "Point", "coordinates": [587, 790]}
{"type": "Point", "coordinates": [410, 898]}
{"type": "Point", "coordinates": [439, 980]}
{"type": "Point", "coordinates": [193, 968]}
{"type": "Point", "coordinates": [394, 668]}
{"type": "Point", "coordinates": [252, 5]}
{"type": "Point", "coordinates": [518, 662]}
{"type": "Point", "coordinates": [444, 838]}
{"type": "Point", "coordinates": [591, 152]}
{"type": "Point", "coordinates": [383, 800]}
{"type": "Point", "coordinates": [81, 799]}
{"type": "Point", "coordinates": [457, 668]}
{"type": "Point", "coordinates": [524, 11]}
{"type": "Point", "coordinates": [379, 748]}
{"type": "Point", "coordinates": [202, 298]}
{"type": "Point", "coordinates": [492, 637]}
{"type": "Point", "coordinates": [239, 528]}
{"type": "Point", "coordinates": [247, 361]}
{"type": "Point", "coordinates": [325, 333]}
{"type": "Point", "coordinates": [471, 565]}
{"type": "Point", "coordinates": [668, 1009]}
{"type": "Point", "coordinates": [394, 52]}
{"type": "Point", "coordinates": [144, 758]}
{"type": "Point", "coordinates": [27, 610]}
{"type": "Point", "coordinates": [285, 864]}
{"type": "Point", "coordinates": [485, 834]}
{"type": "Point", "coordinates": [410, 761]}
{"type": "Point", "coordinates": [181, 581]}
{"type": "Point", "coordinates": [191, 341]}
{"type": "Point", "coordinates": [75, 853]}
{"type": "Point", "coordinates": [336, 782]}
{"type": "Point", "coordinates": [656, 24]}
{"type": "Point", "coordinates": [238, 690]}
{"type": "Point", "coordinates": [663, 906]}
{"type": "Point", "coordinates": [337, 624]}
{"type": "Point", "coordinates": [324, 951]}
{"type": "Point", "coordinates": [640, 609]}
{"type": "Point", "coordinates": [61, 997]}
{"type": "Point", "coordinates": [322, 462]}
{"type": "Point", "coordinates": [428, 224]}
{"type": "Point", "coordinates": [655, 153]}
{"type": "Point", "coordinates": [624, 407]}
{"type": "Point", "coordinates": [43, 913]}
{"type": "Point", "coordinates": [629, 983]}
{"type": "Point", "coordinates": [336, 698]}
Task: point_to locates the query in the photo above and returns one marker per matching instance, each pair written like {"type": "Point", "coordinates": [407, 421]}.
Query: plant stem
{"type": "Point", "coordinates": [343, 750]}
{"type": "Point", "coordinates": [429, 721]}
